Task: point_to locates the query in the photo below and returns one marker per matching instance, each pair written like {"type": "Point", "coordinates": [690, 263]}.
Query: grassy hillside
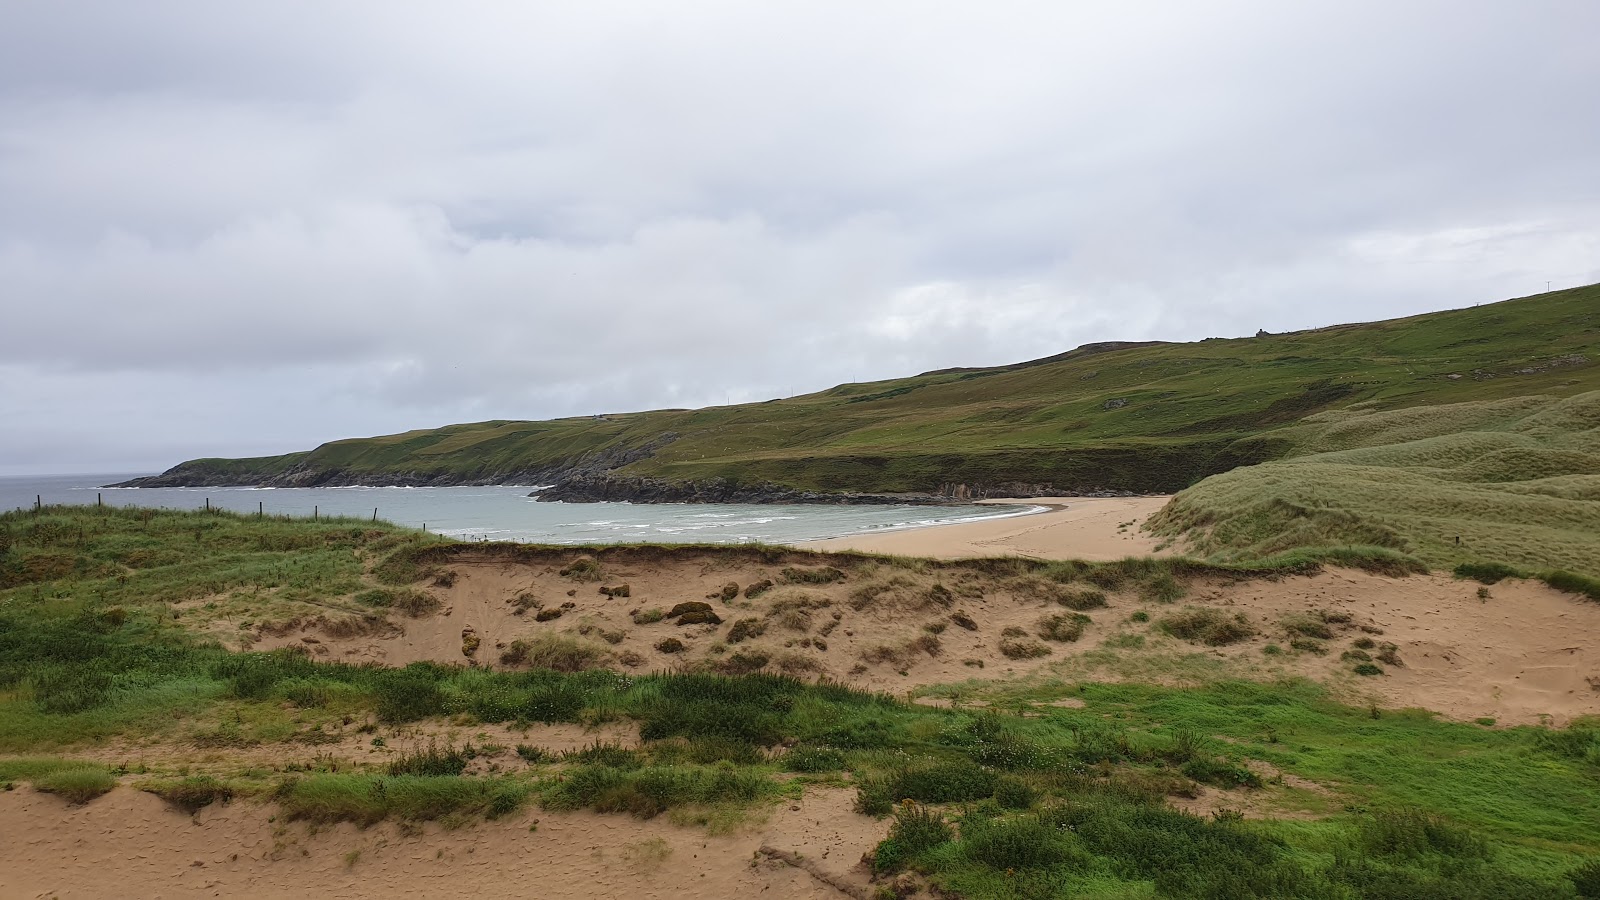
{"type": "Point", "coordinates": [1515, 480]}
{"type": "Point", "coordinates": [1150, 417]}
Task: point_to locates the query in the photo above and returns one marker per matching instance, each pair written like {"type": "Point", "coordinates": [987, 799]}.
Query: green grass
{"type": "Point", "coordinates": [1488, 486]}
{"type": "Point", "coordinates": [369, 799]}
{"type": "Point", "coordinates": [1190, 410]}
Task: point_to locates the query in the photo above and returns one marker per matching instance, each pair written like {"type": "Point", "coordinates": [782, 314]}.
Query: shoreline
{"type": "Point", "coordinates": [1087, 528]}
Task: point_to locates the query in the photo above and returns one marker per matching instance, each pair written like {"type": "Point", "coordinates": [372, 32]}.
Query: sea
{"type": "Point", "coordinates": [508, 513]}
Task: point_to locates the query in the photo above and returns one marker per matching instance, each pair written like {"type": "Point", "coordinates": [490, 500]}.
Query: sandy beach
{"type": "Point", "coordinates": [1092, 528]}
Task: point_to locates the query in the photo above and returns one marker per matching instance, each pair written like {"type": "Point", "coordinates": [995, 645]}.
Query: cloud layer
{"type": "Point", "coordinates": [229, 234]}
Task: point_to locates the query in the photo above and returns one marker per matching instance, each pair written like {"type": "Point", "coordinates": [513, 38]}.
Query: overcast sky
{"type": "Point", "coordinates": [242, 233]}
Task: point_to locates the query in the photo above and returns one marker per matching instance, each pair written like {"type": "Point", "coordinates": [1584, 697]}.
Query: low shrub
{"type": "Point", "coordinates": [1064, 628]}
{"type": "Point", "coordinates": [670, 645]}
{"type": "Point", "coordinates": [76, 785]}
{"type": "Point", "coordinates": [1220, 772]}
{"type": "Point", "coordinates": [954, 781]}
{"type": "Point", "coordinates": [915, 830]}
{"type": "Point", "coordinates": [811, 758]}
{"type": "Point", "coordinates": [648, 792]}
{"type": "Point", "coordinates": [556, 653]}
{"type": "Point", "coordinates": [369, 799]}
{"type": "Point", "coordinates": [756, 589]}
{"type": "Point", "coordinates": [1014, 793]}
{"type": "Point", "coordinates": [798, 575]}
{"type": "Point", "coordinates": [1367, 669]}
{"type": "Point", "coordinates": [1486, 572]}
{"type": "Point", "coordinates": [1208, 626]}
{"type": "Point", "coordinates": [584, 568]}
{"type": "Point", "coordinates": [649, 616]}
{"type": "Point", "coordinates": [191, 794]}
{"type": "Point", "coordinates": [1028, 842]}
{"type": "Point", "coordinates": [1415, 833]}
{"type": "Point", "coordinates": [1573, 583]}
{"type": "Point", "coordinates": [1163, 588]}
{"type": "Point", "coordinates": [432, 762]}
{"type": "Point", "coordinates": [1021, 648]}
{"type": "Point", "coordinates": [1082, 600]}
{"type": "Point", "coordinates": [744, 629]}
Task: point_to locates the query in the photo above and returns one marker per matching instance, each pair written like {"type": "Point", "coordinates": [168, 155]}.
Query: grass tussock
{"type": "Point", "coordinates": [369, 799]}
{"type": "Point", "coordinates": [556, 653]}
{"type": "Point", "coordinates": [1208, 626]}
{"type": "Point", "coordinates": [76, 784]}
{"type": "Point", "coordinates": [191, 794]}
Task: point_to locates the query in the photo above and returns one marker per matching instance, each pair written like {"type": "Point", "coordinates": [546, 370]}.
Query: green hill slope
{"type": "Point", "coordinates": [1138, 417]}
{"type": "Point", "coordinates": [1513, 481]}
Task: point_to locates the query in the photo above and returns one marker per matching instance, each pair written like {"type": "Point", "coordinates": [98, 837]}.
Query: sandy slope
{"type": "Point", "coordinates": [1074, 528]}
{"type": "Point", "coordinates": [132, 844]}
{"type": "Point", "coordinates": [1521, 656]}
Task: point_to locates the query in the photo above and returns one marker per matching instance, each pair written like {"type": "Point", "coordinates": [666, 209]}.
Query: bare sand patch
{"type": "Point", "coordinates": [131, 844]}
{"type": "Point", "coordinates": [1092, 528]}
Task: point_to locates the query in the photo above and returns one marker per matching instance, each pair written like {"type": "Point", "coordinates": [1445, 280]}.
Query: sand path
{"type": "Point", "coordinates": [1074, 528]}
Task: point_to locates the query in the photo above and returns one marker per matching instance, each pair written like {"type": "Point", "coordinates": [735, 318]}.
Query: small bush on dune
{"type": "Point", "coordinates": [1211, 627]}
{"type": "Point", "coordinates": [670, 645]}
{"type": "Point", "coordinates": [798, 575]}
{"type": "Point", "coordinates": [1163, 588]}
{"type": "Point", "coordinates": [646, 793]}
{"type": "Point", "coordinates": [1063, 628]}
{"type": "Point", "coordinates": [1486, 572]}
{"type": "Point", "coordinates": [1220, 772]}
{"type": "Point", "coordinates": [1082, 600]}
{"type": "Point", "coordinates": [743, 662]}
{"type": "Point", "coordinates": [76, 785]}
{"type": "Point", "coordinates": [1028, 842]}
{"type": "Point", "coordinates": [1573, 583]}
{"type": "Point", "coordinates": [813, 759]}
{"type": "Point", "coordinates": [558, 654]}
{"type": "Point", "coordinates": [584, 568]}
{"type": "Point", "coordinates": [431, 762]}
{"type": "Point", "coordinates": [955, 781]}
{"type": "Point", "coordinates": [756, 589]}
{"type": "Point", "coordinates": [1022, 648]}
{"type": "Point", "coordinates": [649, 616]}
{"type": "Point", "coordinates": [745, 629]}
{"type": "Point", "coordinates": [192, 794]}
{"type": "Point", "coordinates": [367, 800]}
{"type": "Point", "coordinates": [915, 829]}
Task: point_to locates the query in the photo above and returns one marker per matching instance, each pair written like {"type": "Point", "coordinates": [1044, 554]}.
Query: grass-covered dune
{"type": "Point", "coordinates": [1054, 789]}
{"type": "Point", "coordinates": [1512, 481]}
{"type": "Point", "coordinates": [1142, 417]}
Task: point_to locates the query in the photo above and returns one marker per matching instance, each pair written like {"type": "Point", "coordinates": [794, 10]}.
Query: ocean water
{"type": "Point", "coordinates": [507, 513]}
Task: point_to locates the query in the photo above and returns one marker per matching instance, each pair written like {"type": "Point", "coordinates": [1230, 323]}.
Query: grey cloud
{"type": "Point", "coordinates": [319, 220]}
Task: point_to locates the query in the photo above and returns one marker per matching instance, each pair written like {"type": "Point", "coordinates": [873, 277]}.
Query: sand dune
{"type": "Point", "coordinates": [1513, 657]}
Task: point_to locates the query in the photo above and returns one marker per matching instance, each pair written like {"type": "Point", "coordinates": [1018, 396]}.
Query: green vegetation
{"type": "Point", "coordinates": [1484, 486]}
{"type": "Point", "coordinates": [989, 804]}
{"type": "Point", "coordinates": [1144, 417]}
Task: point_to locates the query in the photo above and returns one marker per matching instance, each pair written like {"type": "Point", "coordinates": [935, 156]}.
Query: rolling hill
{"type": "Point", "coordinates": [1140, 417]}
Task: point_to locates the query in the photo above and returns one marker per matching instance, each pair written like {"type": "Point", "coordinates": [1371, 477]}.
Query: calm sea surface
{"type": "Point", "coordinates": [507, 513]}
